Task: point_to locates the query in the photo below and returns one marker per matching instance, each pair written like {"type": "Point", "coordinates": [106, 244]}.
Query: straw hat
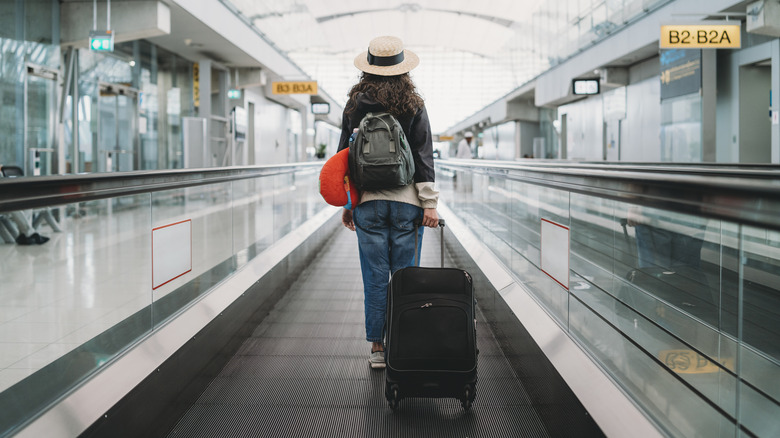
{"type": "Point", "coordinates": [386, 57]}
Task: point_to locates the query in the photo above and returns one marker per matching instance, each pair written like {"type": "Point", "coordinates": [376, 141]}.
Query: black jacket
{"type": "Point", "coordinates": [417, 130]}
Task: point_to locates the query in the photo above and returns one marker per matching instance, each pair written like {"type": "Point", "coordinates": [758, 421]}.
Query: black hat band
{"type": "Point", "coordinates": [385, 61]}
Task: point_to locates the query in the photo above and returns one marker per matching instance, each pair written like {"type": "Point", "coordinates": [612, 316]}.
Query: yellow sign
{"type": "Point", "coordinates": [446, 138]}
{"type": "Point", "coordinates": [196, 84]}
{"type": "Point", "coordinates": [294, 87]}
{"type": "Point", "coordinates": [701, 36]}
{"type": "Point", "coordinates": [691, 362]}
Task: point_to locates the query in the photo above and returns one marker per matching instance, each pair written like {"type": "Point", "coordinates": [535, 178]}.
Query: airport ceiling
{"type": "Point", "coordinates": [472, 53]}
{"type": "Point", "coordinates": [338, 26]}
{"type": "Point", "coordinates": [461, 43]}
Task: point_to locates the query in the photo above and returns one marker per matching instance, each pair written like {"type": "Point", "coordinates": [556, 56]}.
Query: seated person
{"type": "Point", "coordinates": [26, 233]}
{"type": "Point", "coordinates": [16, 221]}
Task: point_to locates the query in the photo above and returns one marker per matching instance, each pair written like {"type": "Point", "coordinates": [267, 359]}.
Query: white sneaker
{"type": "Point", "coordinates": [377, 359]}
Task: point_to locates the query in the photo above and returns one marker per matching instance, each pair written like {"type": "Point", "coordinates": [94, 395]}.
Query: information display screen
{"type": "Point", "coordinates": [585, 86]}
{"type": "Point", "coordinates": [320, 108]}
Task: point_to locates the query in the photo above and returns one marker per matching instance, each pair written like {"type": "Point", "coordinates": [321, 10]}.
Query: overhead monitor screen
{"type": "Point", "coordinates": [320, 108]}
{"type": "Point", "coordinates": [585, 86]}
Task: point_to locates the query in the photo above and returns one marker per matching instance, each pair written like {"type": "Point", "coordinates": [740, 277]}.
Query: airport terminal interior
{"type": "Point", "coordinates": [608, 172]}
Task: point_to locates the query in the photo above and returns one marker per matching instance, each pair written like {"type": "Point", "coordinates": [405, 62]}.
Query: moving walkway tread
{"type": "Point", "coordinates": [304, 372]}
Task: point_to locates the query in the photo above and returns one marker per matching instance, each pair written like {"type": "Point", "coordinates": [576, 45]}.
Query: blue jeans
{"type": "Point", "coordinates": [385, 232]}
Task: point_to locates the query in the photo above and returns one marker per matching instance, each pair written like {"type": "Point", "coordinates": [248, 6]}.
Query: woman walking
{"type": "Point", "coordinates": [384, 219]}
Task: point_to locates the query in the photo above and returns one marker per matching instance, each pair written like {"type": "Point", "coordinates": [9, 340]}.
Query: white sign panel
{"type": "Point", "coordinates": [585, 86]}
{"type": "Point", "coordinates": [171, 252]}
{"type": "Point", "coordinates": [555, 252]}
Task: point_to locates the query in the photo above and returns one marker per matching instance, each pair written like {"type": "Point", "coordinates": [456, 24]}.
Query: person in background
{"type": "Point", "coordinates": [17, 222]}
{"type": "Point", "coordinates": [464, 147]}
{"type": "Point", "coordinates": [26, 234]}
{"type": "Point", "coordinates": [384, 220]}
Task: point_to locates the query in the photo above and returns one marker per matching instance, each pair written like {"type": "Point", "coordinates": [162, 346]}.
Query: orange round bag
{"type": "Point", "coordinates": [335, 186]}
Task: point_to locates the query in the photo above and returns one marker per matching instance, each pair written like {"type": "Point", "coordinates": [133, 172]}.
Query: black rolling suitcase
{"type": "Point", "coordinates": [431, 334]}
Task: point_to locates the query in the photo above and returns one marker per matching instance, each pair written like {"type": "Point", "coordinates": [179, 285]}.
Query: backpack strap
{"type": "Point", "coordinates": [390, 132]}
{"type": "Point", "coordinates": [381, 117]}
{"type": "Point", "coordinates": [363, 129]}
{"type": "Point", "coordinates": [389, 129]}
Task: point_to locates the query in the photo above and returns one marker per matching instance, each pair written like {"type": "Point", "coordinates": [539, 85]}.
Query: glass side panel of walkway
{"type": "Point", "coordinates": [673, 276]}
{"type": "Point", "coordinates": [75, 305]}
{"type": "Point", "coordinates": [670, 286]}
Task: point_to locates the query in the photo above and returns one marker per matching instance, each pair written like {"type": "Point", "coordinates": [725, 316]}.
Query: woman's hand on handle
{"type": "Point", "coordinates": [430, 218]}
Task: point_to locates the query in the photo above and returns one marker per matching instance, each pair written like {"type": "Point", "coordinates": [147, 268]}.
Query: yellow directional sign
{"type": "Point", "coordinates": [691, 362]}
{"type": "Point", "coordinates": [196, 83]}
{"type": "Point", "coordinates": [309, 87]}
{"type": "Point", "coordinates": [701, 36]}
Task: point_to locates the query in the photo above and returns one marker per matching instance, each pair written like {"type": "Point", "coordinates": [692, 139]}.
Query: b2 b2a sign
{"type": "Point", "coordinates": [701, 36]}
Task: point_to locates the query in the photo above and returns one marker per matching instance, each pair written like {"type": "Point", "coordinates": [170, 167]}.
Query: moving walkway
{"type": "Point", "coordinates": [269, 291]}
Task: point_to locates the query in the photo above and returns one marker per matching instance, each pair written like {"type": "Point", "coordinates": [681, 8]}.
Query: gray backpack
{"type": "Point", "coordinates": [379, 155]}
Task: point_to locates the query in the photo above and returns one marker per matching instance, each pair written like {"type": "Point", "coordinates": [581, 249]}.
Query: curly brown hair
{"type": "Point", "coordinates": [396, 93]}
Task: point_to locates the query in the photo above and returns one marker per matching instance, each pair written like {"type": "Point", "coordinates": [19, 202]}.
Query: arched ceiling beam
{"type": "Point", "coordinates": [415, 7]}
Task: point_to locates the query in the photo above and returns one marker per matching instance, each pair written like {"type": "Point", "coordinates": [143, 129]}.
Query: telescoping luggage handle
{"type": "Point", "coordinates": [417, 224]}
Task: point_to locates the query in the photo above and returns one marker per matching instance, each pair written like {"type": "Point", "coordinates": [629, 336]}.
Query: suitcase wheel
{"type": "Point", "coordinates": [393, 397]}
{"type": "Point", "coordinates": [468, 397]}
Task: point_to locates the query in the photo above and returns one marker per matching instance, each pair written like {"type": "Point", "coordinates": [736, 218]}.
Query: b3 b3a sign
{"type": "Point", "coordinates": [309, 87]}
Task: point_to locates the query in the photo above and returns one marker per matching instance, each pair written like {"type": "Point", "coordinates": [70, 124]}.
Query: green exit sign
{"type": "Point", "coordinates": [234, 94]}
{"type": "Point", "coordinates": [101, 40]}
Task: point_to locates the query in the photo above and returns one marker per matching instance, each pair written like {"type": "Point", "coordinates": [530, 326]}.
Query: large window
{"type": "Point", "coordinates": [681, 129]}
{"type": "Point", "coordinates": [26, 39]}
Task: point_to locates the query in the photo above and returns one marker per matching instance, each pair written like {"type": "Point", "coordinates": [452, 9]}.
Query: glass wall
{"type": "Point", "coordinates": [131, 105]}
{"type": "Point", "coordinates": [27, 101]}
{"type": "Point", "coordinates": [130, 102]}
{"type": "Point", "coordinates": [76, 303]}
{"type": "Point", "coordinates": [681, 129]}
{"type": "Point", "coordinates": [681, 310]}
{"type": "Point", "coordinates": [175, 100]}
{"type": "Point", "coordinates": [563, 27]}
